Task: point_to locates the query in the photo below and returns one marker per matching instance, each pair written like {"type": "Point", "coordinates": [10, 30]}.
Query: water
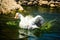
{"type": "Point", "coordinates": [9, 25]}
{"type": "Point", "coordinates": [48, 14]}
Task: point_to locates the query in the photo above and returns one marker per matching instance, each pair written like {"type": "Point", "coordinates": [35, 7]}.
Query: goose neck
{"type": "Point", "coordinates": [21, 17]}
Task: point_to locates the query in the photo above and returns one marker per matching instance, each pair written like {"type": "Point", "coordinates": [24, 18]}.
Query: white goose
{"type": "Point", "coordinates": [29, 22]}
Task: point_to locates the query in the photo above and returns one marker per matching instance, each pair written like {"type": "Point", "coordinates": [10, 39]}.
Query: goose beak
{"type": "Point", "coordinates": [16, 16]}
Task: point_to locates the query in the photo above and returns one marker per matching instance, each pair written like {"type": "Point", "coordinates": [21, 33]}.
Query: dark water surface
{"type": "Point", "coordinates": [48, 14]}
{"type": "Point", "coordinates": [9, 25]}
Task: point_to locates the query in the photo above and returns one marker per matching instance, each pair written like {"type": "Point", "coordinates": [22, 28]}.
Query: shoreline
{"type": "Point", "coordinates": [40, 3]}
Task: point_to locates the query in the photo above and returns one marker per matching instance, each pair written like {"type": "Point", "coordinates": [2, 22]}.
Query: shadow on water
{"type": "Point", "coordinates": [9, 26]}
{"type": "Point", "coordinates": [8, 30]}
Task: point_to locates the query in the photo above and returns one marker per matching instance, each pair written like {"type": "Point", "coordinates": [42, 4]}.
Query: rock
{"type": "Point", "coordinates": [39, 2]}
{"type": "Point", "coordinates": [30, 3]}
{"type": "Point", "coordinates": [24, 2]}
{"type": "Point", "coordinates": [43, 2]}
{"type": "Point", "coordinates": [57, 4]}
{"type": "Point", "coordinates": [31, 0]}
{"type": "Point", "coordinates": [35, 2]}
{"type": "Point", "coordinates": [52, 5]}
{"type": "Point", "coordinates": [9, 5]}
{"type": "Point", "coordinates": [19, 2]}
{"type": "Point", "coordinates": [50, 2]}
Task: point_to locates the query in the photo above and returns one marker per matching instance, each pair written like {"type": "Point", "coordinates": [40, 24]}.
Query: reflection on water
{"type": "Point", "coordinates": [9, 25]}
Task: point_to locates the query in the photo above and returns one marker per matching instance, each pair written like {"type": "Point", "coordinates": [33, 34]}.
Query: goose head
{"type": "Point", "coordinates": [18, 16]}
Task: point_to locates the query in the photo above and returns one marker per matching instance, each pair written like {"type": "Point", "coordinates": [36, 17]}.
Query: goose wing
{"type": "Point", "coordinates": [38, 20]}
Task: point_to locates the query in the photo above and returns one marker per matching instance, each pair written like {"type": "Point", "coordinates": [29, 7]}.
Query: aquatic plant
{"type": "Point", "coordinates": [11, 23]}
{"type": "Point", "coordinates": [44, 28]}
{"type": "Point", "coordinates": [47, 25]}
